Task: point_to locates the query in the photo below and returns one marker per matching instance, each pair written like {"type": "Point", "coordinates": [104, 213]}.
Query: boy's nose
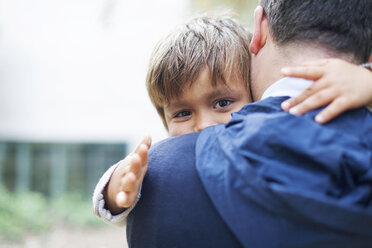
{"type": "Point", "coordinates": [203, 122]}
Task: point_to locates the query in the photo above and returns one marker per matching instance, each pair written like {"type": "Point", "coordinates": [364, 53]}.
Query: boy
{"type": "Point", "coordinates": [198, 76]}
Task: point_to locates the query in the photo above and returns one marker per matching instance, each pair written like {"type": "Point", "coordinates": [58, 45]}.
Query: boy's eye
{"type": "Point", "coordinates": [182, 114]}
{"type": "Point", "coordinates": [222, 103]}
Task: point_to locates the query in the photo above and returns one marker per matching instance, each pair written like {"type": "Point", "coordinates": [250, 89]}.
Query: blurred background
{"type": "Point", "coordinates": [73, 101]}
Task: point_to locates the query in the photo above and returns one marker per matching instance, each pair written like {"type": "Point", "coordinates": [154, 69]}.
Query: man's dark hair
{"type": "Point", "coordinates": [344, 26]}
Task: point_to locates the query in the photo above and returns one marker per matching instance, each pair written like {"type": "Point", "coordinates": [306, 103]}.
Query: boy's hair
{"type": "Point", "coordinates": [341, 26]}
{"type": "Point", "coordinates": [220, 43]}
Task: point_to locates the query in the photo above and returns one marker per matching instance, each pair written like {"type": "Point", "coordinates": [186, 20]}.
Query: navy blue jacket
{"type": "Point", "coordinates": [174, 209]}
{"type": "Point", "coordinates": [280, 180]}
{"type": "Point", "coordinates": [265, 179]}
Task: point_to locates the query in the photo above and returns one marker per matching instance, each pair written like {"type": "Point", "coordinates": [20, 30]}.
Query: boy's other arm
{"type": "Point", "coordinates": [99, 202]}
{"type": "Point", "coordinates": [339, 84]}
{"type": "Point", "coordinates": [119, 188]}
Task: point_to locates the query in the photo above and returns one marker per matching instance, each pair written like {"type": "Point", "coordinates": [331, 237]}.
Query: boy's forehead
{"type": "Point", "coordinates": [204, 87]}
{"type": "Point", "coordinates": [207, 84]}
{"type": "Point", "coordinates": [207, 78]}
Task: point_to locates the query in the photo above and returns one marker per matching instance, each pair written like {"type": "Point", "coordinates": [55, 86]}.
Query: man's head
{"type": "Point", "coordinates": [302, 29]}
{"type": "Point", "coordinates": [208, 52]}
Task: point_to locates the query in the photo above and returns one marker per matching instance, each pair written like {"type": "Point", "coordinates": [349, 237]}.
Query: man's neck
{"type": "Point", "coordinates": [267, 64]}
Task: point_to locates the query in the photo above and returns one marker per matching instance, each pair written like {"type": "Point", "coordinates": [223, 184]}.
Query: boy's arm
{"type": "Point", "coordinates": [339, 84]}
{"type": "Point", "coordinates": [99, 203]}
{"type": "Point", "coordinates": [118, 190]}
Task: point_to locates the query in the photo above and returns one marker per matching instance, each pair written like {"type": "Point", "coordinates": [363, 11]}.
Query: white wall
{"type": "Point", "coordinates": [74, 70]}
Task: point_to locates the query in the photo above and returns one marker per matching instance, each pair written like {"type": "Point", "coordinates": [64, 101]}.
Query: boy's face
{"type": "Point", "coordinates": [203, 105]}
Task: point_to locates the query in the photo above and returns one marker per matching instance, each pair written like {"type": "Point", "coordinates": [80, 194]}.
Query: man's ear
{"type": "Point", "coordinates": [370, 59]}
{"type": "Point", "coordinates": [260, 31]}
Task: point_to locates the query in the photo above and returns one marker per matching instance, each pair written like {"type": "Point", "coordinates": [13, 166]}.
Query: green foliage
{"type": "Point", "coordinates": [33, 212]}
{"type": "Point", "coordinates": [243, 8]}
{"type": "Point", "coordinates": [20, 213]}
{"type": "Point", "coordinates": [74, 210]}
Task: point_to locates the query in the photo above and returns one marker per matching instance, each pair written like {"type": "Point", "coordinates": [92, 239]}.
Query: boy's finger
{"type": "Point", "coordinates": [145, 141]}
{"type": "Point", "coordinates": [131, 198]}
{"type": "Point", "coordinates": [139, 162]}
{"type": "Point", "coordinates": [124, 165]}
{"type": "Point", "coordinates": [313, 102]}
{"type": "Point", "coordinates": [142, 151]}
{"type": "Point", "coordinates": [291, 102]}
{"type": "Point", "coordinates": [122, 199]}
{"type": "Point", "coordinates": [333, 110]}
{"type": "Point", "coordinates": [309, 91]}
{"type": "Point", "coordinates": [128, 183]}
{"type": "Point", "coordinates": [135, 164]}
{"type": "Point", "coordinates": [287, 104]}
{"type": "Point", "coordinates": [306, 72]}
{"type": "Point", "coordinates": [143, 154]}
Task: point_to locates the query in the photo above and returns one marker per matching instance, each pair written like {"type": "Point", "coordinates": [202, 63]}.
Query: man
{"type": "Point", "coordinates": [271, 179]}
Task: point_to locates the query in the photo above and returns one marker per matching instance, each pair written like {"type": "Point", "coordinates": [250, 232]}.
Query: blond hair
{"type": "Point", "coordinates": [220, 43]}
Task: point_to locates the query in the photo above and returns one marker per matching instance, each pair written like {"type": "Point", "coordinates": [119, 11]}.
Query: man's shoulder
{"type": "Point", "coordinates": [174, 210]}
{"type": "Point", "coordinates": [174, 153]}
{"type": "Point", "coordinates": [269, 161]}
{"type": "Point", "coordinates": [261, 125]}
{"type": "Point", "coordinates": [174, 145]}
{"type": "Point", "coordinates": [269, 111]}
{"type": "Point", "coordinates": [268, 105]}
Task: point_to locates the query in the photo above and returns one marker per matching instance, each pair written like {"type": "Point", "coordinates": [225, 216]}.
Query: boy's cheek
{"type": "Point", "coordinates": [177, 129]}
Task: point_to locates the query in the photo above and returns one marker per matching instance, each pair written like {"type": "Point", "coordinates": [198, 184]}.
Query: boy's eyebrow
{"type": "Point", "coordinates": [177, 104]}
{"type": "Point", "coordinates": [218, 92]}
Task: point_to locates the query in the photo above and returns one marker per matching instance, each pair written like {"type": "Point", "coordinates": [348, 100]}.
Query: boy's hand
{"type": "Point", "coordinates": [125, 182]}
{"type": "Point", "coordinates": [340, 84]}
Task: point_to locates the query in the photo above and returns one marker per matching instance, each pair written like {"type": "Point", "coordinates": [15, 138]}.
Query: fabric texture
{"type": "Point", "coordinates": [175, 210]}
{"type": "Point", "coordinates": [280, 180]}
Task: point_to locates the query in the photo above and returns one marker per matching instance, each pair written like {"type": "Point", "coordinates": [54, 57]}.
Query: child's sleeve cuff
{"type": "Point", "coordinates": [99, 202]}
